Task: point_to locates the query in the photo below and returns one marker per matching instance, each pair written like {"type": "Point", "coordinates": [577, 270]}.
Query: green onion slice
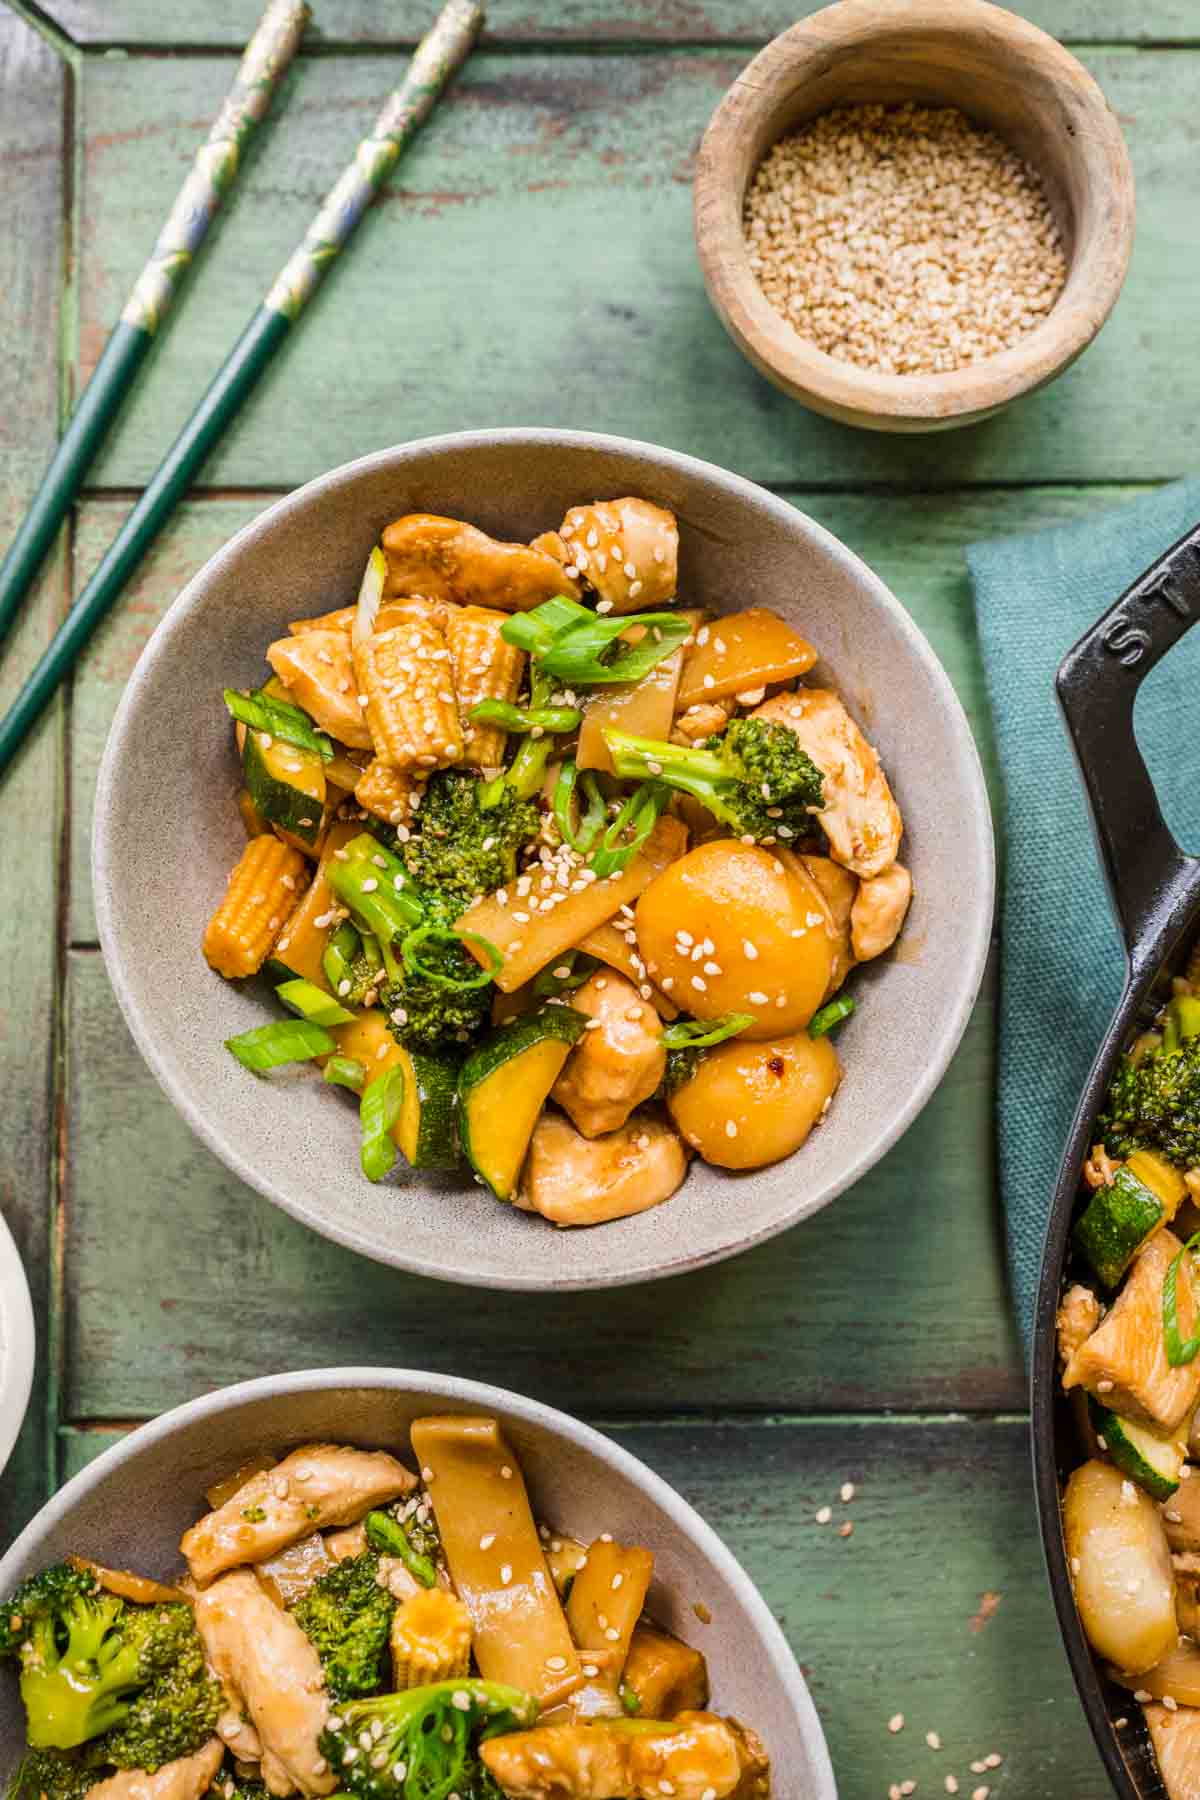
{"type": "Point", "coordinates": [347, 1072]}
{"type": "Point", "coordinates": [286, 1041]}
{"type": "Point", "coordinates": [584, 649]}
{"type": "Point", "coordinates": [553, 981]}
{"type": "Point", "coordinates": [1178, 1351]}
{"type": "Point", "coordinates": [526, 718]}
{"type": "Point", "coordinates": [700, 1034]}
{"type": "Point", "coordinates": [378, 1111]}
{"type": "Point", "coordinates": [440, 934]}
{"type": "Point", "coordinates": [282, 720]}
{"type": "Point", "coordinates": [311, 1002]}
{"type": "Point", "coordinates": [537, 629]}
{"type": "Point", "coordinates": [637, 817]}
{"type": "Point", "coordinates": [830, 1015]}
{"type": "Point", "coordinates": [583, 835]}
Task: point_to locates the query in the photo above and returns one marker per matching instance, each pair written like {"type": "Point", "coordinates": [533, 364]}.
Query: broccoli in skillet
{"type": "Point", "coordinates": [408, 1531]}
{"type": "Point", "coordinates": [425, 1738]}
{"type": "Point", "coordinates": [92, 1663]}
{"type": "Point", "coordinates": [347, 1615]}
{"type": "Point", "coordinates": [461, 848]}
{"type": "Point", "coordinates": [1154, 1103]}
{"type": "Point", "coordinates": [52, 1775]}
{"type": "Point", "coordinates": [755, 777]}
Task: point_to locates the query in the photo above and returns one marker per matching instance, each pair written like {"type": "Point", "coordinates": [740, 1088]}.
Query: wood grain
{"type": "Point", "coordinates": [228, 23]}
{"type": "Point", "coordinates": [31, 150]}
{"type": "Point", "coordinates": [891, 1619]}
{"type": "Point", "coordinates": [550, 198]}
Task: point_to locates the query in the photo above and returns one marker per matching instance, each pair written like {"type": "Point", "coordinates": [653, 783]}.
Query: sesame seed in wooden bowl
{"type": "Point", "coordinates": [909, 212]}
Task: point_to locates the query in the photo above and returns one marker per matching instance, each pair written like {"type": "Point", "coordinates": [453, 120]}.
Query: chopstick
{"type": "Point", "coordinates": [435, 61]}
{"type": "Point", "coordinates": [213, 172]}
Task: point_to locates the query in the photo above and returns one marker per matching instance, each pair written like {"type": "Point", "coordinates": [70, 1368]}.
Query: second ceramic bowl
{"type": "Point", "coordinates": [167, 833]}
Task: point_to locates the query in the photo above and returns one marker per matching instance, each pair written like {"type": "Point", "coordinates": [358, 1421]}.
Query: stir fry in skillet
{"type": "Point", "coordinates": [554, 872]}
{"type": "Point", "coordinates": [346, 1626]}
{"type": "Point", "coordinates": [1129, 1338]}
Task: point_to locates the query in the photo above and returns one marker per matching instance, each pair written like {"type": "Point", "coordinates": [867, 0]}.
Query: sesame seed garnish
{"type": "Point", "coordinates": [933, 1740]}
{"type": "Point", "coordinates": [730, 1128]}
{"type": "Point", "coordinates": [369, 885]}
{"type": "Point", "coordinates": [505, 1574]}
{"type": "Point", "coordinates": [603, 606]}
{"type": "Point", "coordinates": [952, 1784]}
{"type": "Point", "coordinates": [426, 1476]}
{"type": "Point", "coordinates": [505, 1472]}
{"type": "Point", "coordinates": [846, 1493]}
{"type": "Point", "coordinates": [487, 1540]}
{"type": "Point", "coordinates": [461, 1699]}
{"type": "Point", "coordinates": [612, 1634]}
{"type": "Point", "coordinates": [846, 1530]}
{"type": "Point", "coordinates": [556, 1662]}
{"type": "Point", "coordinates": [896, 1722]}
{"type": "Point", "coordinates": [823, 1516]}
{"type": "Point", "coordinates": [618, 1579]}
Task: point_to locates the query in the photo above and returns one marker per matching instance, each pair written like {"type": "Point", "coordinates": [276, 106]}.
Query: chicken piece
{"type": "Point", "coordinates": [1175, 1734]}
{"type": "Point", "coordinates": [350, 1541]}
{"type": "Point", "coordinates": [447, 559]}
{"type": "Point", "coordinates": [261, 1654]}
{"type": "Point", "coordinates": [1127, 1353]}
{"type": "Point", "coordinates": [705, 719]}
{"type": "Point", "coordinates": [1078, 1316]}
{"type": "Point", "coordinates": [665, 1676]}
{"type": "Point", "coordinates": [185, 1779]}
{"type": "Point", "coordinates": [315, 1487]}
{"type": "Point", "coordinates": [626, 551]}
{"type": "Point", "coordinates": [573, 1180]}
{"type": "Point", "coordinates": [237, 1732]}
{"type": "Point", "coordinates": [693, 1756]}
{"type": "Point", "coordinates": [318, 672]}
{"type": "Point", "coordinates": [1181, 1513]}
{"type": "Point", "coordinates": [860, 818]}
{"type": "Point", "coordinates": [838, 888]}
{"type": "Point", "coordinates": [613, 1069]}
{"type": "Point", "coordinates": [878, 912]}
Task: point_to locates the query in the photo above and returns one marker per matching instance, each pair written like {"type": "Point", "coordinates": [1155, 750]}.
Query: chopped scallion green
{"type": "Point", "coordinates": [831, 1015]}
{"type": "Point", "coordinates": [345, 1071]}
{"type": "Point", "coordinates": [700, 1034]}
{"type": "Point", "coordinates": [286, 1041]}
{"type": "Point", "coordinates": [378, 1111]}
{"type": "Point", "coordinates": [310, 1002]}
{"type": "Point", "coordinates": [290, 724]}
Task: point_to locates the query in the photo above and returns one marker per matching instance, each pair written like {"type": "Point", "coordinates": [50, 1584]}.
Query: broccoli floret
{"type": "Point", "coordinates": [348, 1615]}
{"type": "Point", "coordinates": [425, 1740]}
{"type": "Point", "coordinates": [178, 1711]}
{"type": "Point", "coordinates": [460, 849]}
{"type": "Point", "coordinates": [1154, 1104]}
{"type": "Point", "coordinates": [681, 1066]}
{"type": "Point", "coordinates": [85, 1654]}
{"type": "Point", "coordinates": [52, 1775]}
{"type": "Point", "coordinates": [755, 777]}
{"type": "Point", "coordinates": [408, 1531]}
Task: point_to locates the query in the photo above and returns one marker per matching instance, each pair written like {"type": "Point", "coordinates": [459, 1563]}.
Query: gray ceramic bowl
{"type": "Point", "coordinates": [130, 1506]}
{"type": "Point", "coordinates": [167, 833]}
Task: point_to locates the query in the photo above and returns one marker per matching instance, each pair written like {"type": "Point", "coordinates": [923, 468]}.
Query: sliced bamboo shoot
{"type": "Point", "coordinates": [608, 1596]}
{"type": "Point", "coordinates": [495, 1556]}
{"type": "Point", "coordinates": [528, 941]}
{"type": "Point", "coordinates": [645, 708]}
{"type": "Point", "coordinates": [609, 945]}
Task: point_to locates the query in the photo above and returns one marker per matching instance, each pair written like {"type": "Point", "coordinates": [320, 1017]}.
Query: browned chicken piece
{"type": "Point", "coordinates": [573, 1180]}
{"type": "Point", "coordinates": [318, 672]}
{"type": "Point", "coordinates": [1181, 1513]}
{"type": "Point", "coordinates": [447, 559]}
{"type": "Point", "coordinates": [616, 1066]}
{"type": "Point", "coordinates": [1124, 1361]}
{"type": "Point", "coordinates": [315, 1487]}
{"type": "Point", "coordinates": [702, 720]}
{"type": "Point", "coordinates": [665, 1676]}
{"type": "Point", "coordinates": [387, 792]}
{"type": "Point", "coordinates": [1187, 1592]}
{"type": "Point", "coordinates": [185, 1779]}
{"type": "Point", "coordinates": [1078, 1316]}
{"type": "Point", "coordinates": [693, 1756]}
{"type": "Point", "coordinates": [838, 888]}
{"type": "Point", "coordinates": [237, 1731]}
{"type": "Point", "coordinates": [1175, 1734]}
{"type": "Point", "coordinates": [626, 551]}
{"type": "Point", "coordinates": [878, 912]}
{"type": "Point", "coordinates": [260, 1653]}
{"type": "Point", "coordinates": [350, 1540]}
{"type": "Point", "coordinates": [860, 818]}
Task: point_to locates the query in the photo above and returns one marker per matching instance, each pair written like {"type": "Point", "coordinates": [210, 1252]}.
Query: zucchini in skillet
{"type": "Point", "coordinates": [503, 1086]}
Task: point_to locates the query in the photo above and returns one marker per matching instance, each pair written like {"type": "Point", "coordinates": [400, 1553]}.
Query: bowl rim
{"type": "Point", "coordinates": [18, 1343]}
{"type": "Point", "coordinates": [961, 748]}
{"type": "Point", "coordinates": [478, 1395]}
{"type": "Point", "coordinates": [850, 392]}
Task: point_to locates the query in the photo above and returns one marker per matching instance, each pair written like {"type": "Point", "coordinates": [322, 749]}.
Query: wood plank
{"type": "Point", "coordinates": [889, 1620]}
{"type": "Point", "coordinates": [557, 186]}
{"type": "Point", "coordinates": [32, 89]}
{"type": "Point", "coordinates": [227, 23]}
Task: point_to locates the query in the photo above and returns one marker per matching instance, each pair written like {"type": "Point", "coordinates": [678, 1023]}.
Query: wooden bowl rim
{"type": "Point", "coordinates": [1095, 276]}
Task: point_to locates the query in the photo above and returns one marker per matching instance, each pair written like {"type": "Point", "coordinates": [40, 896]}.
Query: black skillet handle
{"type": "Point", "coordinates": [1154, 885]}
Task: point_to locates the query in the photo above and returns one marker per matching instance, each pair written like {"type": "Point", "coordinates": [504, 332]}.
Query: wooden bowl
{"type": "Point", "coordinates": [1002, 72]}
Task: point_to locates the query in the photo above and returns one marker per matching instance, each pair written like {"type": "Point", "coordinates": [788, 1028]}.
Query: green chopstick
{"type": "Point", "coordinates": [209, 179]}
{"type": "Point", "coordinates": [436, 60]}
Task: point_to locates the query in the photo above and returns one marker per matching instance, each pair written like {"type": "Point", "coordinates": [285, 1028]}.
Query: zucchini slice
{"type": "Point", "coordinates": [502, 1089]}
{"type": "Point", "coordinates": [1153, 1462]}
{"type": "Point", "coordinates": [286, 785]}
{"type": "Point", "coordinates": [428, 1128]}
{"type": "Point", "coordinates": [1116, 1222]}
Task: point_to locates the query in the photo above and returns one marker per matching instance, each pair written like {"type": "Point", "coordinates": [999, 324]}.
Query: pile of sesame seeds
{"type": "Point", "coordinates": [906, 240]}
{"type": "Point", "coordinates": [951, 1784]}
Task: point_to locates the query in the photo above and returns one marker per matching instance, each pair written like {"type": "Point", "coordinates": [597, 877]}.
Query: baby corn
{"type": "Point", "coordinates": [431, 1639]}
{"type": "Point", "coordinates": [404, 676]}
{"type": "Point", "coordinates": [386, 792]}
{"type": "Point", "coordinates": [263, 890]}
{"type": "Point", "coordinates": [484, 668]}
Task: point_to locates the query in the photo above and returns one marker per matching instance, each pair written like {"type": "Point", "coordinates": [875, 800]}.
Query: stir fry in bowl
{"type": "Point", "coordinates": [1129, 1340]}
{"type": "Point", "coordinates": [554, 872]}
{"type": "Point", "coordinates": [345, 1625]}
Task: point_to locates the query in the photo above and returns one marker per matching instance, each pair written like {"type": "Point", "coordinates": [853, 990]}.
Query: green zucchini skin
{"type": "Point", "coordinates": [435, 1083]}
{"type": "Point", "coordinates": [1116, 1222]}
{"type": "Point", "coordinates": [277, 798]}
{"type": "Point", "coordinates": [1153, 1462]}
{"type": "Point", "coordinates": [505, 1047]}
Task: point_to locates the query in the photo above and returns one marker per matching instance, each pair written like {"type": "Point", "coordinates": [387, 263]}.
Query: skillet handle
{"type": "Point", "coordinates": [1154, 886]}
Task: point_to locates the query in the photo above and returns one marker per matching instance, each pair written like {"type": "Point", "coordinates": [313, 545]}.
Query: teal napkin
{"type": "Point", "coordinates": [1062, 960]}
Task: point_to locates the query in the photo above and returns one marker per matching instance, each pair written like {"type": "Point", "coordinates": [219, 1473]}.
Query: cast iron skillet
{"type": "Point", "coordinates": [1155, 890]}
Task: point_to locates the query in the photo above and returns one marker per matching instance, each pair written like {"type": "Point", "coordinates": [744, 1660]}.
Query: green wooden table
{"type": "Point", "coordinates": [533, 264]}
